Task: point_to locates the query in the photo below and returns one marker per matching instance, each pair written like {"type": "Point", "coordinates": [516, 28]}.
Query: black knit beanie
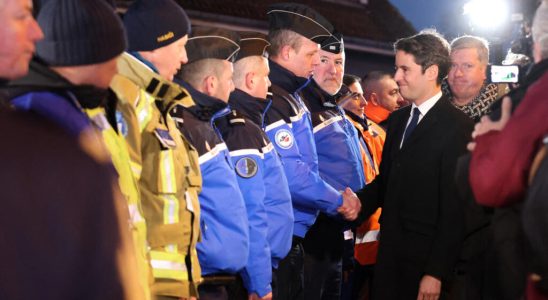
{"type": "Point", "coordinates": [152, 24]}
{"type": "Point", "coordinates": [79, 32]}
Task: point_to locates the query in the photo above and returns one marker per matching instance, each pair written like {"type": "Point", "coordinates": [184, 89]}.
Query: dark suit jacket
{"type": "Point", "coordinates": [422, 219]}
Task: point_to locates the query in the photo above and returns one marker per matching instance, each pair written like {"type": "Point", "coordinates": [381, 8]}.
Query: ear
{"type": "Point", "coordinates": [285, 53]}
{"type": "Point", "coordinates": [374, 99]}
{"type": "Point", "coordinates": [250, 80]}
{"type": "Point", "coordinates": [210, 85]}
{"type": "Point", "coordinates": [432, 72]}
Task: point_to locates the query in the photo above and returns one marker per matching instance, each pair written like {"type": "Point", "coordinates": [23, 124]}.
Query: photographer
{"type": "Point", "coordinates": [504, 149]}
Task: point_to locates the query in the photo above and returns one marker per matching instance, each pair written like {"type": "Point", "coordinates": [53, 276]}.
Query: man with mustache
{"type": "Point", "coordinates": [340, 164]}
{"type": "Point", "coordinates": [294, 33]}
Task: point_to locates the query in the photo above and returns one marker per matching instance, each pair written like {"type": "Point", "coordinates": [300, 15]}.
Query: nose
{"type": "Point", "coordinates": [363, 101]}
{"type": "Point", "coordinates": [184, 57]}
{"type": "Point", "coordinates": [35, 32]}
{"type": "Point", "coordinates": [398, 76]}
{"type": "Point", "coordinates": [400, 98]}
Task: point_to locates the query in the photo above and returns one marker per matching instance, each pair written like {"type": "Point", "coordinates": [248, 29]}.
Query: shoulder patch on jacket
{"type": "Point", "coordinates": [284, 138]}
{"type": "Point", "coordinates": [165, 138]}
{"type": "Point", "coordinates": [121, 123]}
{"type": "Point", "coordinates": [246, 167]}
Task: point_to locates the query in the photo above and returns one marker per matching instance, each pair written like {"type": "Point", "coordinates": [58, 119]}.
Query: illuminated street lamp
{"type": "Point", "coordinates": [487, 15]}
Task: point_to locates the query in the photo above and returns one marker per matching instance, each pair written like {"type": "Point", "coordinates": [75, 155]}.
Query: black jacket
{"type": "Point", "coordinates": [422, 220]}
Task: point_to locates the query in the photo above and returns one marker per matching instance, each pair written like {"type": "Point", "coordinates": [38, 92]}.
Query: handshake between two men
{"type": "Point", "coordinates": [351, 205]}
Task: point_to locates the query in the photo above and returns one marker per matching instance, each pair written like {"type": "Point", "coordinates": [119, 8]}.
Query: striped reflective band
{"type": "Point", "coordinates": [144, 110]}
{"type": "Point", "coordinates": [274, 125]}
{"type": "Point", "coordinates": [212, 153]}
{"type": "Point", "coordinates": [168, 183]}
{"type": "Point", "coordinates": [370, 236]}
{"type": "Point", "coordinates": [244, 152]}
{"type": "Point", "coordinates": [326, 123]}
{"type": "Point", "coordinates": [168, 266]}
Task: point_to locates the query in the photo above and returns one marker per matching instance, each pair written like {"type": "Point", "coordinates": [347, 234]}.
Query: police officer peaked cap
{"type": "Point", "coordinates": [300, 19]}
{"type": "Point", "coordinates": [152, 24]}
{"type": "Point", "coordinates": [208, 42]}
{"type": "Point", "coordinates": [252, 44]}
{"type": "Point", "coordinates": [333, 44]}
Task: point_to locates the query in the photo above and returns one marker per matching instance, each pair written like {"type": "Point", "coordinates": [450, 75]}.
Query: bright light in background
{"type": "Point", "coordinates": [486, 14]}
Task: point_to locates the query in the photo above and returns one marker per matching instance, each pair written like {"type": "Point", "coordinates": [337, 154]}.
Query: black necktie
{"type": "Point", "coordinates": [412, 124]}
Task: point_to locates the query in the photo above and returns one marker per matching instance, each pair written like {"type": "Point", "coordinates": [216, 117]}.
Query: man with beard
{"type": "Point", "coordinates": [294, 33]}
{"type": "Point", "coordinates": [340, 165]}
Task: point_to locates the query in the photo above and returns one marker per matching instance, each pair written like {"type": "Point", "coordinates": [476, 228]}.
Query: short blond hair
{"type": "Point", "coordinates": [472, 42]}
{"type": "Point", "coordinates": [244, 66]}
{"type": "Point", "coordinates": [194, 73]}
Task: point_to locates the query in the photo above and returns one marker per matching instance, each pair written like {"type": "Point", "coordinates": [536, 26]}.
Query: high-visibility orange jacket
{"type": "Point", "coordinates": [366, 244]}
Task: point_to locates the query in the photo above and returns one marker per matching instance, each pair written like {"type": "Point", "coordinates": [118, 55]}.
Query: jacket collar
{"type": "Point", "coordinates": [251, 107]}
{"type": "Point", "coordinates": [317, 99]}
{"type": "Point", "coordinates": [43, 78]}
{"type": "Point", "coordinates": [145, 78]}
{"type": "Point", "coordinates": [207, 107]}
{"type": "Point", "coordinates": [357, 119]}
{"type": "Point", "coordinates": [285, 79]}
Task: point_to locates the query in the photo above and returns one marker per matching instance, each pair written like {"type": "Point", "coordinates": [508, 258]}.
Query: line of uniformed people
{"type": "Point", "coordinates": [221, 184]}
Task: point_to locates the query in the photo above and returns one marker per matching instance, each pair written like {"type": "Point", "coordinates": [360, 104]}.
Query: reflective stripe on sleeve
{"type": "Point", "coordinates": [370, 236]}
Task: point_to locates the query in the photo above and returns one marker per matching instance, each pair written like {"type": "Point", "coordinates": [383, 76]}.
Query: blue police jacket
{"type": "Point", "coordinates": [337, 142]}
{"type": "Point", "coordinates": [277, 198]}
{"type": "Point", "coordinates": [340, 164]}
{"type": "Point", "coordinates": [289, 127]}
{"type": "Point", "coordinates": [245, 146]}
{"type": "Point", "coordinates": [225, 235]}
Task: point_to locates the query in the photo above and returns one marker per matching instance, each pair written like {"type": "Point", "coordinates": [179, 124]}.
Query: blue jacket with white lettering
{"type": "Point", "coordinates": [289, 126]}
{"type": "Point", "coordinates": [225, 235]}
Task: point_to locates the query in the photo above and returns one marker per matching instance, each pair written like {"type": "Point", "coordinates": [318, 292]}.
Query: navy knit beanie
{"type": "Point", "coordinates": [152, 24]}
{"type": "Point", "coordinates": [79, 32]}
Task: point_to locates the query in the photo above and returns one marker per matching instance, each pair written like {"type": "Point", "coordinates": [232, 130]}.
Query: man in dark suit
{"type": "Point", "coordinates": [422, 220]}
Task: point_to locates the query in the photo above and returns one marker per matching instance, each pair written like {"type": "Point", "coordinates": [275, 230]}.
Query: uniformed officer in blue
{"type": "Point", "coordinates": [295, 32]}
{"type": "Point", "coordinates": [207, 76]}
{"type": "Point", "coordinates": [341, 166]}
{"type": "Point", "coordinates": [260, 173]}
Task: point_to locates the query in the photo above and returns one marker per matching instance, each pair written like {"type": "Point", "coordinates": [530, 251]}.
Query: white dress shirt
{"type": "Point", "coordinates": [423, 108]}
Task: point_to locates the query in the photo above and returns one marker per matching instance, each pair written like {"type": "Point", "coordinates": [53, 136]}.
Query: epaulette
{"type": "Point", "coordinates": [235, 118]}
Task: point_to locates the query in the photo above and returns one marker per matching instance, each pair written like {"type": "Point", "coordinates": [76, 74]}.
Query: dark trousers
{"type": "Point", "coordinates": [322, 278]}
{"type": "Point", "coordinates": [288, 279]}
{"type": "Point", "coordinates": [237, 290]}
{"type": "Point", "coordinates": [212, 292]}
{"type": "Point", "coordinates": [362, 277]}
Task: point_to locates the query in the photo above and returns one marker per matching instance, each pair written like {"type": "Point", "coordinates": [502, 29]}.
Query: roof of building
{"type": "Point", "coordinates": [370, 27]}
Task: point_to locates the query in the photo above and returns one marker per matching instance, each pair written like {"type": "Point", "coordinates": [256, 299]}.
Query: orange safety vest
{"type": "Point", "coordinates": [367, 244]}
